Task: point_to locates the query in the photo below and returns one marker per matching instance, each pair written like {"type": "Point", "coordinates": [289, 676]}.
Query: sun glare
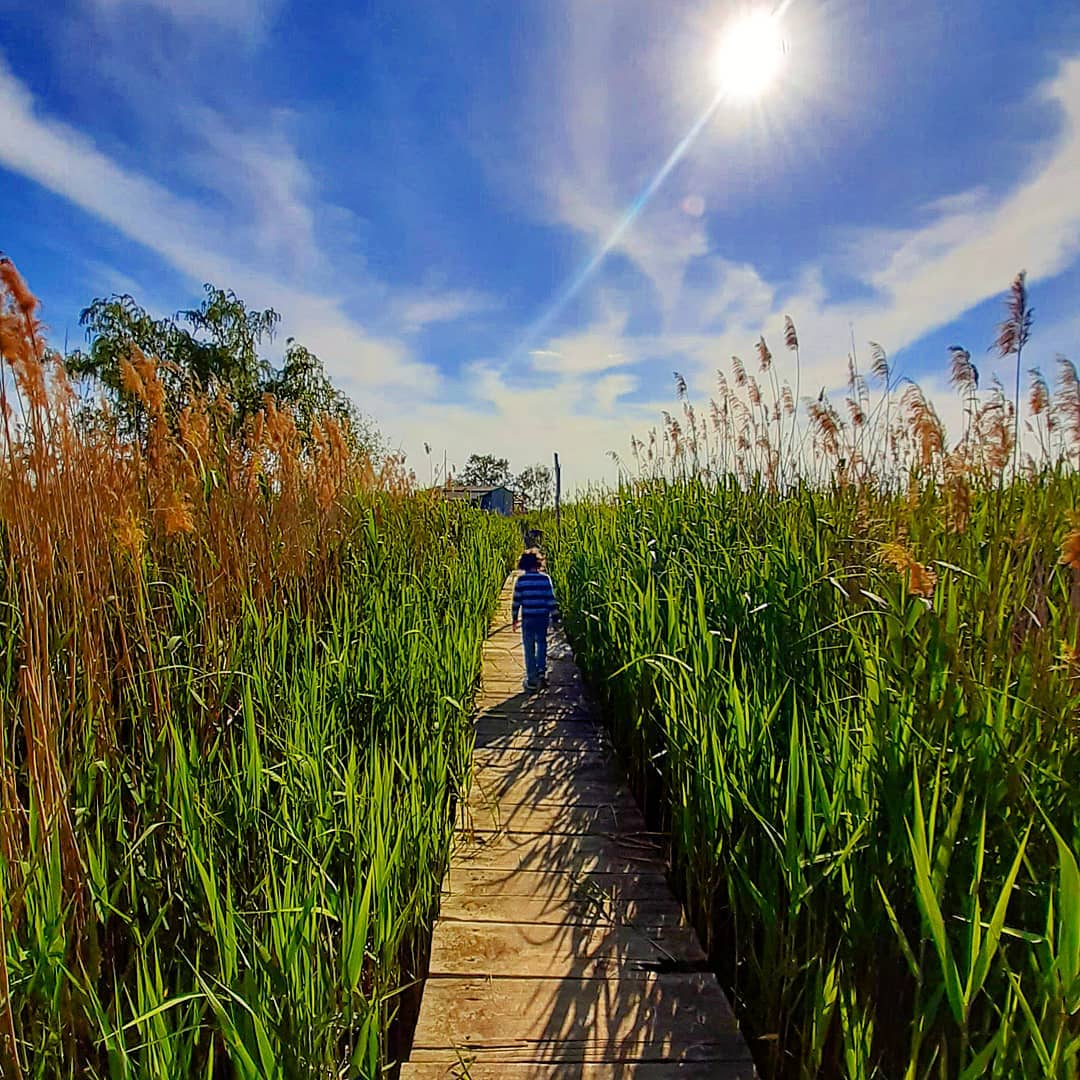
{"type": "Point", "coordinates": [750, 56]}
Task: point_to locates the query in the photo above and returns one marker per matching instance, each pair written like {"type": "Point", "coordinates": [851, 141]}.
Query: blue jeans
{"type": "Point", "coordinates": [534, 638]}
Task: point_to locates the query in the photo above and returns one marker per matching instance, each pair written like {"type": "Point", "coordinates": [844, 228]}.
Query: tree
{"type": "Point", "coordinates": [303, 385]}
{"type": "Point", "coordinates": [211, 349]}
{"type": "Point", "coordinates": [485, 470]}
{"type": "Point", "coordinates": [535, 484]}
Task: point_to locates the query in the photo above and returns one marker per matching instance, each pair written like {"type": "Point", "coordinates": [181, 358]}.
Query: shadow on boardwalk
{"type": "Point", "coordinates": [561, 951]}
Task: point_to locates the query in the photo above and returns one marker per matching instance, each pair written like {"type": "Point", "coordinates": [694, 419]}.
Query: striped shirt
{"type": "Point", "coordinates": [533, 596]}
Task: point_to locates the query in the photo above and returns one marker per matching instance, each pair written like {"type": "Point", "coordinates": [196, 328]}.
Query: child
{"type": "Point", "coordinates": [534, 599]}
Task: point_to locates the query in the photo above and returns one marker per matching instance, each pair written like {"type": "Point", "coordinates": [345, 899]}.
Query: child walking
{"type": "Point", "coordinates": [534, 600]}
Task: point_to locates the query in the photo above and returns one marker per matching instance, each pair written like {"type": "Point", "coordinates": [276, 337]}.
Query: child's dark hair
{"type": "Point", "coordinates": [529, 561]}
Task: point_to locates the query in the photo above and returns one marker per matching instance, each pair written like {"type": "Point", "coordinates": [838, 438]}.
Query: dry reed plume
{"type": "Point", "coordinates": [95, 525]}
{"type": "Point", "coordinates": [891, 440]}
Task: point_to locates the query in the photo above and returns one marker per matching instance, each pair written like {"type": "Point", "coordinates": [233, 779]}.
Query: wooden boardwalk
{"type": "Point", "coordinates": [560, 952]}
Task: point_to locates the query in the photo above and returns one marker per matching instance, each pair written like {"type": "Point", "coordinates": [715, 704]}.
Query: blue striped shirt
{"type": "Point", "coordinates": [533, 596]}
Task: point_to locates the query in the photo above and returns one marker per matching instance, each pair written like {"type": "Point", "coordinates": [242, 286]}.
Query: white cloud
{"type": "Point", "coordinates": [262, 182]}
{"type": "Point", "coordinates": [207, 247]}
{"type": "Point", "coordinates": [973, 246]}
{"type": "Point", "coordinates": [600, 347]}
{"type": "Point", "coordinates": [416, 311]}
{"type": "Point", "coordinates": [66, 162]}
{"type": "Point", "coordinates": [527, 426]}
{"type": "Point", "coordinates": [730, 293]}
{"type": "Point", "coordinates": [608, 389]}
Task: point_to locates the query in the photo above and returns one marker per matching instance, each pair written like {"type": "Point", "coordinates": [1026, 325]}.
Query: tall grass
{"type": "Point", "coordinates": [854, 702]}
{"type": "Point", "coordinates": [234, 673]}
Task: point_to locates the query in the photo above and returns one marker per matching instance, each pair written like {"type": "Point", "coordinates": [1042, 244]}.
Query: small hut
{"type": "Point", "coordinates": [496, 500]}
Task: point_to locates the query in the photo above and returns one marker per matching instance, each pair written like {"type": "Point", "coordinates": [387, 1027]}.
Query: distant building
{"type": "Point", "coordinates": [496, 500]}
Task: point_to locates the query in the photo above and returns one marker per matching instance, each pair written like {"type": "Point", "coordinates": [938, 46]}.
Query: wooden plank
{"type": "Point", "coordinates": [561, 679]}
{"type": "Point", "coordinates": [576, 852]}
{"type": "Point", "coordinates": [550, 818]}
{"type": "Point", "coordinates": [538, 727]}
{"type": "Point", "coordinates": [650, 912]}
{"type": "Point", "coordinates": [598, 752]}
{"type": "Point", "coordinates": [550, 762]}
{"type": "Point", "coordinates": [579, 768]}
{"type": "Point", "coordinates": [524, 705]}
{"type": "Point", "coordinates": [470, 1069]}
{"type": "Point", "coordinates": [570, 951]}
{"type": "Point", "coordinates": [526, 711]}
{"type": "Point", "coordinates": [537, 734]}
{"type": "Point", "coordinates": [555, 885]}
{"type": "Point", "coordinates": [667, 1018]}
{"type": "Point", "coordinates": [544, 703]}
{"type": "Point", "coordinates": [554, 699]}
{"type": "Point", "coordinates": [594, 740]}
{"type": "Point", "coordinates": [562, 676]}
{"type": "Point", "coordinates": [570, 790]}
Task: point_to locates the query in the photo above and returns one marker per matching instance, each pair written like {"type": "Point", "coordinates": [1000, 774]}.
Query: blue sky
{"type": "Point", "coordinates": [412, 186]}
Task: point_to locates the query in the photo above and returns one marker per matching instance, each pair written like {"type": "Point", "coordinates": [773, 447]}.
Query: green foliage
{"type": "Point", "coordinates": [262, 863]}
{"type": "Point", "coordinates": [211, 349]}
{"type": "Point", "coordinates": [485, 470]}
{"type": "Point", "coordinates": [870, 793]}
{"type": "Point", "coordinates": [535, 484]}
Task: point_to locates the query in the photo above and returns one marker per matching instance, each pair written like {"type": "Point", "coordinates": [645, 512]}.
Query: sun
{"type": "Point", "coordinates": [750, 56]}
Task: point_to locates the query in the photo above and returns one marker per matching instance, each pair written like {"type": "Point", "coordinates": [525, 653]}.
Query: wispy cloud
{"type": "Point", "coordinates": [573, 415]}
{"type": "Point", "coordinates": [598, 348]}
{"type": "Point", "coordinates": [973, 244]}
{"type": "Point", "coordinates": [203, 246]}
{"type": "Point", "coordinates": [415, 311]}
{"type": "Point", "coordinates": [261, 181]}
{"type": "Point", "coordinates": [609, 389]}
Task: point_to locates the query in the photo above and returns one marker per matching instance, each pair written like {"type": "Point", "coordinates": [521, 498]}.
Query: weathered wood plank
{"type": "Point", "coordinates": [615, 1055]}
{"type": "Point", "coordinates": [562, 952]}
{"type": "Point", "coordinates": [470, 1069]}
{"type": "Point", "coordinates": [509, 759]}
{"type": "Point", "coordinates": [554, 699]}
{"type": "Point", "coordinates": [659, 1017]}
{"type": "Point", "coordinates": [594, 740]}
{"type": "Point", "coordinates": [575, 852]}
{"type": "Point", "coordinates": [506, 681]}
{"type": "Point", "coordinates": [599, 758]}
{"type": "Point", "coordinates": [501, 727]}
{"type": "Point", "coordinates": [597, 910]}
{"type": "Point", "coordinates": [554, 885]}
{"type": "Point", "coordinates": [549, 818]}
{"type": "Point", "coordinates": [545, 703]}
{"type": "Point", "coordinates": [571, 790]}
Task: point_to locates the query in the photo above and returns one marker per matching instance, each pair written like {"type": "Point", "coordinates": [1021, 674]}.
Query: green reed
{"type": "Point", "coordinates": [871, 794]}
{"type": "Point", "coordinates": [260, 865]}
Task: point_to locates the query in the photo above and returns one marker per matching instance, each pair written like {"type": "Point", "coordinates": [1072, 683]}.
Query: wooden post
{"type": "Point", "coordinates": [558, 493]}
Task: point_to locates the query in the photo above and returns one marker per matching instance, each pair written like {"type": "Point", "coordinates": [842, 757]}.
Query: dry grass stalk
{"type": "Point", "coordinates": [920, 579]}
{"type": "Point", "coordinates": [91, 521]}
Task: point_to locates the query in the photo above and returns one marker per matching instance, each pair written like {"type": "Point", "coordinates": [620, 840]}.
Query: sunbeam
{"type": "Point", "coordinates": [749, 59]}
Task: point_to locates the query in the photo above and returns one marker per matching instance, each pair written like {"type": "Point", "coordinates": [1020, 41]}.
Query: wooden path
{"type": "Point", "coordinates": [560, 952]}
